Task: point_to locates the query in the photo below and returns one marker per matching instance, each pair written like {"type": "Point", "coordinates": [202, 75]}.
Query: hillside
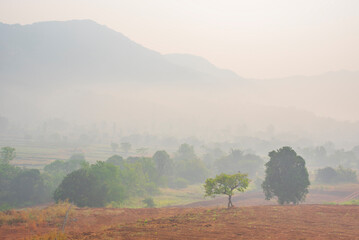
{"type": "Point", "coordinates": [84, 72]}
{"type": "Point", "coordinates": [83, 51]}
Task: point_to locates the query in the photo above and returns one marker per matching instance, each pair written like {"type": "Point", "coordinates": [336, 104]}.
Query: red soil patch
{"type": "Point", "coordinates": [202, 220]}
{"type": "Point", "coordinates": [256, 222]}
{"type": "Point", "coordinates": [260, 222]}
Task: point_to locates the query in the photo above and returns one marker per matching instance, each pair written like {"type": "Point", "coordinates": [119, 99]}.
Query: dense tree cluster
{"type": "Point", "coordinates": [92, 186]}
{"type": "Point", "coordinates": [19, 187]}
{"type": "Point", "coordinates": [327, 156]}
{"type": "Point", "coordinates": [98, 184]}
{"type": "Point", "coordinates": [330, 175]}
{"type": "Point", "coordinates": [239, 161]}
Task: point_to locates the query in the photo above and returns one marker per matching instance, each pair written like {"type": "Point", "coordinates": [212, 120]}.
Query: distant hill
{"type": "Point", "coordinates": [80, 70]}
{"type": "Point", "coordinates": [84, 51]}
{"type": "Point", "coordinates": [202, 65]}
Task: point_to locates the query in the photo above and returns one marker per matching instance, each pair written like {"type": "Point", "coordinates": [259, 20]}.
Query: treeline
{"type": "Point", "coordinates": [20, 187]}
{"type": "Point", "coordinates": [327, 155]}
{"type": "Point", "coordinates": [330, 175]}
{"type": "Point", "coordinates": [115, 179]}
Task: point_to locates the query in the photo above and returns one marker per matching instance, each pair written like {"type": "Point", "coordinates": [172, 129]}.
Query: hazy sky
{"type": "Point", "coordinates": [255, 38]}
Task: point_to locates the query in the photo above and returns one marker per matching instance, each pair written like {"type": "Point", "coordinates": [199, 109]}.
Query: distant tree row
{"type": "Point", "coordinates": [118, 179]}
{"type": "Point", "coordinates": [20, 187]}
{"type": "Point", "coordinates": [330, 175]}
{"type": "Point", "coordinates": [328, 156]}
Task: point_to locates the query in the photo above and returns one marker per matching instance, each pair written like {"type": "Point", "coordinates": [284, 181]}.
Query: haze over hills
{"type": "Point", "coordinates": [332, 94]}
{"type": "Point", "coordinates": [84, 51]}
{"type": "Point", "coordinates": [83, 71]}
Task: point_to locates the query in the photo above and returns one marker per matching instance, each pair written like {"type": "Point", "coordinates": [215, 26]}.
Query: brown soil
{"type": "Point", "coordinates": [260, 222]}
{"type": "Point", "coordinates": [315, 196]}
{"type": "Point", "coordinates": [206, 221]}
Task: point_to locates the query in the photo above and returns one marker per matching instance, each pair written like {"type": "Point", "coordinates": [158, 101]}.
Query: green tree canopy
{"type": "Point", "coordinates": [330, 175]}
{"type": "Point", "coordinates": [21, 187]}
{"type": "Point", "coordinates": [55, 172]}
{"type": "Point", "coordinates": [286, 177]}
{"type": "Point", "coordinates": [115, 160]}
{"type": "Point", "coordinates": [188, 166]}
{"type": "Point", "coordinates": [237, 160]}
{"type": "Point", "coordinates": [7, 154]}
{"type": "Point", "coordinates": [163, 163]}
{"type": "Point", "coordinates": [185, 152]}
{"type": "Point", "coordinates": [226, 184]}
{"type": "Point", "coordinates": [194, 170]}
{"type": "Point", "coordinates": [28, 188]}
{"type": "Point", "coordinates": [92, 186]}
{"type": "Point", "coordinates": [326, 175]}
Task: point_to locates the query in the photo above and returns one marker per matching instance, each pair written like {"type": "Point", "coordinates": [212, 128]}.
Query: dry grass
{"type": "Point", "coordinates": [31, 222]}
{"type": "Point", "coordinates": [34, 216]}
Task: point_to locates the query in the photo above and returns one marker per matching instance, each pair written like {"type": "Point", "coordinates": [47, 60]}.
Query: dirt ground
{"type": "Point", "coordinates": [254, 222]}
{"type": "Point", "coordinates": [259, 222]}
{"type": "Point", "coordinates": [250, 219]}
{"type": "Point", "coordinates": [315, 196]}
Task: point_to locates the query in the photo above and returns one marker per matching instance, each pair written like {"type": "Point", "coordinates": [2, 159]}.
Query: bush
{"type": "Point", "coordinates": [330, 175]}
{"type": "Point", "coordinates": [93, 186]}
{"type": "Point", "coordinates": [149, 202]}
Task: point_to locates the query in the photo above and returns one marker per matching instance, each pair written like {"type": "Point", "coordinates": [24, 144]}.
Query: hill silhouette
{"type": "Point", "coordinates": [84, 51]}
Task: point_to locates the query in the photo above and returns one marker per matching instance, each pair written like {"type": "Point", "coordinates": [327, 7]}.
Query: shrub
{"type": "Point", "coordinates": [149, 202]}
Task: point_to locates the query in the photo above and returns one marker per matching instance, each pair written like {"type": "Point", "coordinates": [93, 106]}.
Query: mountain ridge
{"type": "Point", "coordinates": [78, 49]}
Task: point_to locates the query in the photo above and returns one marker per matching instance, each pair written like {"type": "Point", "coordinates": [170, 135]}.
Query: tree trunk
{"type": "Point", "coordinates": [230, 201]}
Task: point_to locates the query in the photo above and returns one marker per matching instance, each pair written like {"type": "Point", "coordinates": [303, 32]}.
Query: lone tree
{"type": "Point", "coordinates": [286, 177]}
{"type": "Point", "coordinates": [226, 184]}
